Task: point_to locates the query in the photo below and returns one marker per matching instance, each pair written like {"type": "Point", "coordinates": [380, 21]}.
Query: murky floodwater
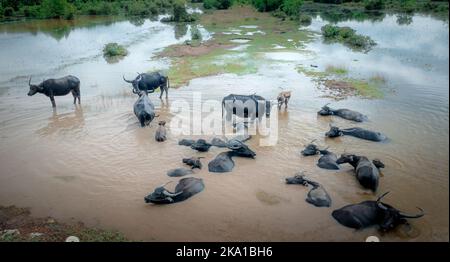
{"type": "Point", "coordinates": [93, 163]}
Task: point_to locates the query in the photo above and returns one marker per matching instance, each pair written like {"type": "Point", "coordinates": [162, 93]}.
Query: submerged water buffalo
{"type": "Point", "coordinates": [311, 149]}
{"type": "Point", "coordinates": [317, 196]}
{"type": "Point", "coordinates": [57, 87]}
{"type": "Point", "coordinates": [201, 145]}
{"type": "Point", "coordinates": [186, 188]}
{"type": "Point", "coordinates": [344, 113]}
{"type": "Point", "coordinates": [149, 82]}
{"type": "Point", "coordinates": [186, 142]}
{"type": "Point", "coordinates": [356, 132]}
{"type": "Point", "coordinates": [177, 172]}
{"type": "Point", "coordinates": [371, 213]}
{"type": "Point", "coordinates": [194, 162]}
{"type": "Point", "coordinates": [367, 172]}
{"type": "Point", "coordinates": [245, 106]}
{"type": "Point", "coordinates": [224, 162]}
{"type": "Point", "coordinates": [327, 160]}
{"type": "Point", "coordinates": [144, 109]}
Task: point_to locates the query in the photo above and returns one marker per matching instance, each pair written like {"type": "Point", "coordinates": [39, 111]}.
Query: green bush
{"type": "Point", "coordinates": [292, 7]}
{"type": "Point", "coordinates": [374, 4]}
{"type": "Point", "coordinates": [347, 36]}
{"type": "Point", "coordinates": [9, 11]}
{"type": "Point", "coordinates": [56, 9]}
{"type": "Point", "coordinates": [195, 34]}
{"type": "Point", "coordinates": [217, 4]}
{"type": "Point", "coordinates": [114, 49]}
{"type": "Point", "coordinates": [305, 19]}
{"type": "Point", "coordinates": [267, 5]}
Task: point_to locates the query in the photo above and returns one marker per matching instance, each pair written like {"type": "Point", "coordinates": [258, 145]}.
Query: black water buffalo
{"type": "Point", "coordinates": [344, 113]}
{"type": "Point", "coordinates": [186, 188]}
{"type": "Point", "coordinates": [57, 87]}
{"type": "Point", "coordinates": [356, 132]}
{"type": "Point", "coordinates": [150, 82]}
{"type": "Point", "coordinates": [161, 133]}
{"type": "Point", "coordinates": [194, 162]}
{"type": "Point", "coordinates": [327, 160]}
{"type": "Point", "coordinates": [177, 172]}
{"type": "Point", "coordinates": [217, 142]}
{"type": "Point", "coordinates": [311, 149]}
{"type": "Point", "coordinates": [201, 145]}
{"type": "Point", "coordinates": [245, 106]}
{"type": "Point", "coordinates": [144, 109]}
{"type": "Point", "coordinates": [224, 163]}
{"type": "Point", "coordinates": [186, 142]}
{"type": "Point", "coordinates": [371, 213]}
{"type": "Point", "coordinates": [366, 171]}
{"type": "Point", "coordinates": [317, 196]}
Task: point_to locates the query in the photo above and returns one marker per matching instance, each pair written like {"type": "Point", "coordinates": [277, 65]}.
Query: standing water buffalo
{"type": "Point", "coordinates": [144, 109]}
{"type": "Point", "coordinates": [150, 82]}
{"type": "Point", "coordinates": [344, 113]}
{"type": "Point", "coordinates": [245, 106]}
{"type": "Point", "coordinates": [367, 172]}
{"type": "Point", "coordinates": [57, 87]}
{"type": "Point", "coordinates": [371, 213]}
{"type": "Point", "coordinates": [317, 196]}
{"type": "Point", "coordinates": [356, 132]}
{"type": "Point", "coordinates": [186, 188]}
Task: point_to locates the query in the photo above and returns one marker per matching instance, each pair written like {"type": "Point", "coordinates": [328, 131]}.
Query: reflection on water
{"type": "Point", "coordinates": [58, 124]}
{"type": "Point", "coordinates": [93, 162]}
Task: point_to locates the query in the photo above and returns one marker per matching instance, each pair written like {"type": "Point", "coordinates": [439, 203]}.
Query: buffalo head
{"type": "Point", "coordinates": [134, 82]}
{"type": "Point", "coordinates": [240, 149]}
{"type": "Point", "coordinates": [161, 196]}
{"type": "Point", "coordinates": [347, 158]}
{"type": "Point", "coordinates": [34, 88]}
{"type": "Point", "coordinates": [325, 111]}
{"type": "Point", "coordinates": [391, 217]}
{"type": "Point", "coordinates": [334, 132]}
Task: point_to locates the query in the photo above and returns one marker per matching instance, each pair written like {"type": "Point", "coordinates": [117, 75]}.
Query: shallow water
{"type": "Point", "coordinates": [93, 163]}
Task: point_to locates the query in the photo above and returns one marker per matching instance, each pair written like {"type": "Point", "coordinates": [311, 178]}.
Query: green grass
{"type": "Point", "coordinates": [348, 37]}
{"type": "Point", "coordinates": [366, 88]}
{"type": "Point", "coordinates": [336, 70]}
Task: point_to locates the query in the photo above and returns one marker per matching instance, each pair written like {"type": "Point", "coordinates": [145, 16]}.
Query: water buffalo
{"type": "Point", "coordinates": [327, 160]}
{"type": "Point", "coordinates": [144, 109]}
{"type": "Point", "coordinates": [317, 196]}
{"type": "Point", "coordinates": [356, 132]}
{"type": "Point", "coordinates": [201, 145]}
{"type": "Point", "coordinates": [57, 87]}
{"type": "Point", "coordinates": [224, 162]}
{"type": "Point", "coordinates": [245, 106]}
{"type": "Point", "coordinates": [283, 98]}
{"type": "Point", "coordinates": [194, 162]}
{"type": "Point", "coordinates": [344, 113]}
{"type": "Point", "coordinates": [217, 142]}
{"type": "Point", "coordinates": [150, 82]}
{"type": "Point", "coordinates": [161, 134]}
{"type": "Point", "coordinates": [186, 188]}
{"type": "Point", "coordinates": [186, 142]}
{"type": "Point", "coordinates": [371, 213]}
{"type": "Point", "coordinates": [367, 172]}
{"type": "Point", "coordinates": [311, 149]}
{"type": "Point", "coordinates": [179, 172]}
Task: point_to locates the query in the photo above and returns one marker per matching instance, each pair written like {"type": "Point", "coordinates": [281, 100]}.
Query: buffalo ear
{"type": "Point", "coordinates": [40, 88]}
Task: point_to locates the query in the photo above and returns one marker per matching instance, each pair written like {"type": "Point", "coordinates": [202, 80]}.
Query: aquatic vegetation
{"type": "Point", "coordinates": [114, 50]}
{"type": "Point", "coordinates": [374, 4]}
{"type": "Point", "coordinates": [335, 80]}
{"type": "Point", "coordinates": [336, 70]}
{"type": "Point", "coordinates": [259, 32]}
{"type": "Point", "coordinates": [347, 36]}
{"type": "Point", "coordinates": [179, 13]}
{"type": "Point", "coordinates": [217, 4]}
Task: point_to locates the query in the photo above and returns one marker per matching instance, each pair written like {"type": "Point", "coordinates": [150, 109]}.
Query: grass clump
{"type": "Point", "coordinates": [114, 50]}
{"type": "Point", "coordinates": [348, 37]}
{"type": "Point", "coordinates": [336, 70]}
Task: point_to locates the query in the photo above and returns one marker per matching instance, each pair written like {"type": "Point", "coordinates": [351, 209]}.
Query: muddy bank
{"type": "Point", "coordinates": [17, 225]}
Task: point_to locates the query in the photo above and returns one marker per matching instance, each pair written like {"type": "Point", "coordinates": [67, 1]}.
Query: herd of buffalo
{"type": "Point", "coordinates": [360, 215]}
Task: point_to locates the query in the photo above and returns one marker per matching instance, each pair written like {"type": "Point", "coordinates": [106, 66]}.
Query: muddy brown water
{"type": "Point", "coordinates": [94, 164]}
